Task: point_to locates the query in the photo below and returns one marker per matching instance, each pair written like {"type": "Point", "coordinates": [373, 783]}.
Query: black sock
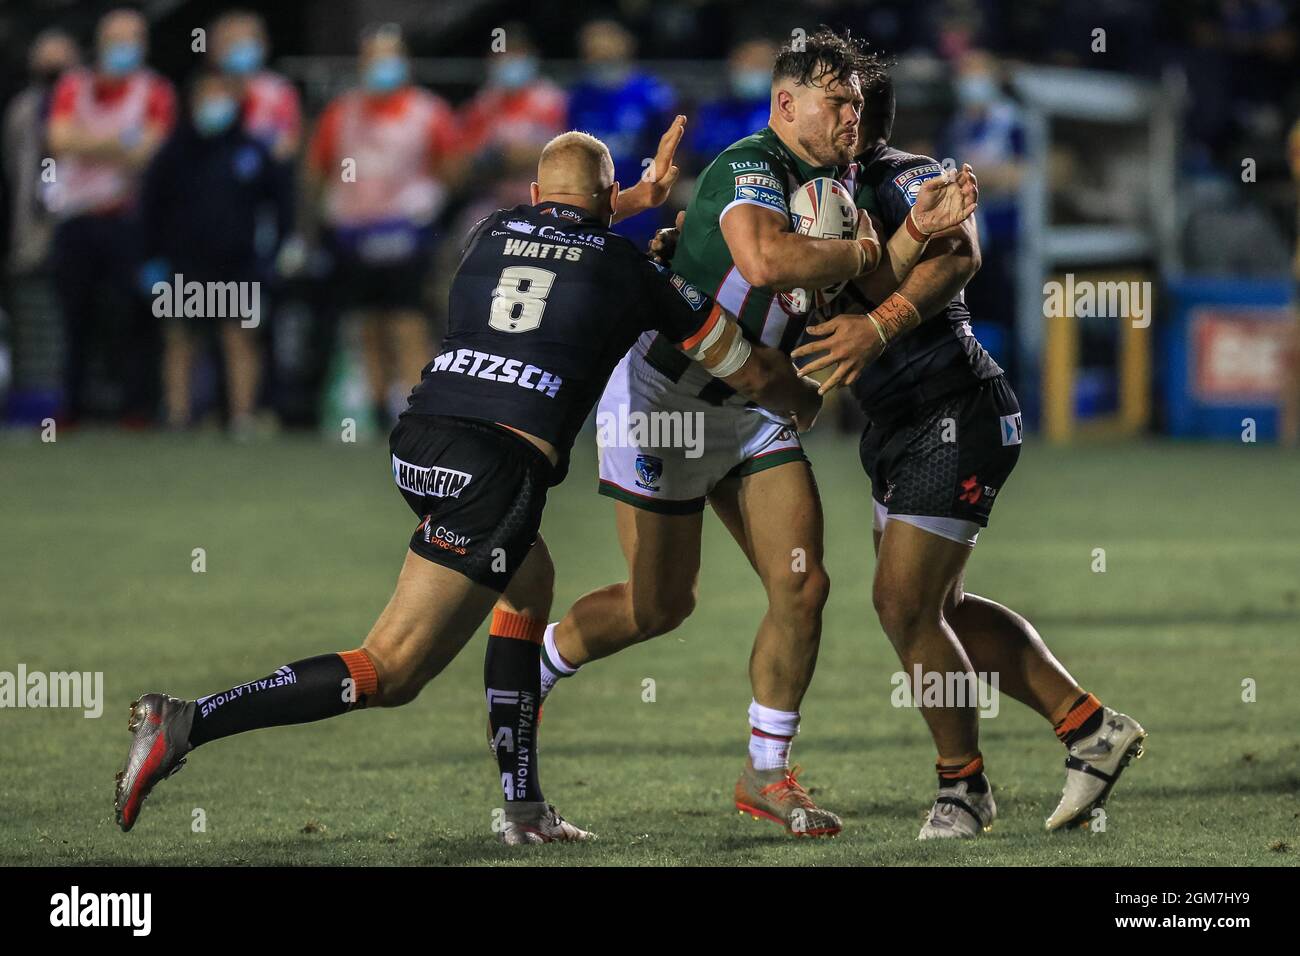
{"type": "Point", "coordinates": [1074, 727]}
{"type": "Point", "coordinates": [297, 693]}
{"type": "Point", "coordinates": [972, 773]}
{"type": "Point", "coordinates": [512, 676]}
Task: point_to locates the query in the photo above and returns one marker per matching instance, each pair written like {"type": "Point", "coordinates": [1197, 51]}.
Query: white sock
{"type": "Point", "coordinates": [770, 736]}
{"type": "Point", "coordinates": [553, 665]}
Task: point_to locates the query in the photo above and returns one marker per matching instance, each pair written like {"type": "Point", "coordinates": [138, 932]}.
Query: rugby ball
{"type": "Point", "coordinates": [823, 209]}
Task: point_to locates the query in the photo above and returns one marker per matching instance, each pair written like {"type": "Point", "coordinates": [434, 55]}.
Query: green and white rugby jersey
{"type": "Point", "coordinates": [761, 171]}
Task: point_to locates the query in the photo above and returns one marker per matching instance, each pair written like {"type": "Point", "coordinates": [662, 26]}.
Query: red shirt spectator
{"type": "Point", "coordinates": [119, 111]}
{"type": "Point", "coordinates": [399, 143]}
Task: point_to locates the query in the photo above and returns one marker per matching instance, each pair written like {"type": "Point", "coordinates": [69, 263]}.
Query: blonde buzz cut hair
{"type": "Point", "coordinates": [574, 164]}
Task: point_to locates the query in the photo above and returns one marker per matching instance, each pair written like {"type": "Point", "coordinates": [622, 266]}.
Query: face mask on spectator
{"type": "Point", "coordinates": [977, 90]}
{"type": "Point", "coordinates": [385, 74]}
{"type": "Point", "coordinates": [243, 58]}
{"type": "Point", "coordinates": [514, 72]}
{"type": "Point", "coordinates": [751, 84]}
{"type": "Point", "coordinates": [118, 59]}
{"type": "Point", "coordinates": [215, 115]}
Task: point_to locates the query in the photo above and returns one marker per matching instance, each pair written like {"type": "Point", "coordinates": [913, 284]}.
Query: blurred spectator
{"type": "Point", "coordinates": [622, 106]}
{"type": "Point", "coordinates": [269, 103]}
{"type": "Point", "coordinates": [105, 125]}
{"type": "Point", "coordinates": [506, 124]}
{"type": "Point", "coordinates": [379, 164]}
{"type": "Point", "coordinates": [1293, 163]}
{"type": "Point", "coordinates": [986, 132]}
{"type": "Point", "coordinates": [25, 148]}
{"type": "Point", "coordinates": [1290, 430]}
{"type": "Point", "coordinates": [202, 199]}
{"type": "Point", "coordinates": [718, 123]}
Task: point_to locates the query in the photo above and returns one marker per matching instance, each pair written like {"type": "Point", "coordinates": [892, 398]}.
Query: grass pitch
{"type": "Point", "coordinates": [303, 540]}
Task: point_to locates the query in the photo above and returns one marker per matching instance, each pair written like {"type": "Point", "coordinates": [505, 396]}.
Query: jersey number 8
{"type": "Point", "coordinates": [520, 298]}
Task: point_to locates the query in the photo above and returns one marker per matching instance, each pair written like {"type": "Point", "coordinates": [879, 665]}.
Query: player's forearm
{"type": "Point", "coordinates": [791, 261]}
{"type": "Point", "coordinates": [631, 202]}
{"type": "Point", "coordinates": [947, 264]}
{"type": "Point", "coordinates": [937, 280]}
{"type": "Point", "coordinates": [903, 251]}
{"type": "Point", "coordinates": [771, 381]}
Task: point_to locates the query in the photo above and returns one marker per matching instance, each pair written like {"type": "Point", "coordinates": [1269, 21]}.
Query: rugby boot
{"type": "Point", "coordinates": [963, 809]}
{"type": "Point", "coordinates": [538, 822]}
{"type": "Point", "coordinates": [160, 728]}
{"type": "Point", "coordinates": [777, 795]}
{"type": "Point", "coordinates": [1092, 767]}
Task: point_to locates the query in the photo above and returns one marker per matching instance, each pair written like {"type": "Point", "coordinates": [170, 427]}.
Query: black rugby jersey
{"type": "Point", "coordinates": [545, 302]}
{"type": "Point", "coordinates": [939, 356]}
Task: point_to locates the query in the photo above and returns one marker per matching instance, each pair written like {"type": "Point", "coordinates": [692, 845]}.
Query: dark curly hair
{"type": "Point", "coordinates": [823, 56]}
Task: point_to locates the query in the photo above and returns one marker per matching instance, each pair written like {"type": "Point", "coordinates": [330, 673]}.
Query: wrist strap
{"type": "Point", "coordinates": [893, 317]}
{"type": "Point", "coordinates": [913, 229]}
{"type": "Point", "coordinates": [867, 254]}
{"type": "Point", "coordinates": [884, 342]}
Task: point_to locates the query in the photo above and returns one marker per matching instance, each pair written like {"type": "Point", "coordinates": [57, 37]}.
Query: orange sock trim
{"type": "Point", "coordinates": [362, 670]}
{"type": "Point", "coordinates": [519, 626]}
{"type": "Point", "coordinates": [972, 768]}
{"type": "Point", "coordinates": [1079, 713]}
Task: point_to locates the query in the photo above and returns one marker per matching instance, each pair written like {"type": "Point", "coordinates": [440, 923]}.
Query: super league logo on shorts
{"type": "Point", "coordinates": [1013, 429]}
{"type": "Point", "coordinates": [649, 470]}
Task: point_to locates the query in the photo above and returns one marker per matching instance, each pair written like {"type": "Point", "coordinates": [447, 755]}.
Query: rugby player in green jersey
{"type": "Point", "coordinates": [670, 440]}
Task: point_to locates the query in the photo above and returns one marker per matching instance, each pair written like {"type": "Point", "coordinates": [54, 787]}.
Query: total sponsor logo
{"type": "Point", "coordinates": [443, 537]}
{"type": "Point", "coordinates": [498, 368]}
{"type": "Point", "coordinates": [751, 164]}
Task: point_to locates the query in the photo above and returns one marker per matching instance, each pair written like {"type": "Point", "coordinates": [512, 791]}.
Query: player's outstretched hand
{"type": "Point", "coordinates": [848, 342]}
{"type": "Point", "coordinates": [659, 177]}
{"type": "Point", "coordinates": [946, 201]}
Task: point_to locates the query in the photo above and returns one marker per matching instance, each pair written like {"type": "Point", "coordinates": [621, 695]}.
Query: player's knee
{"type": "Point", "coordinates": [800, 595]}
{"type": "Point", "coordinates": [399, 678]}
{"type": "Point", "coordinates": [662, 612]}
{"type": "Point", "coordinates": [902, 612]}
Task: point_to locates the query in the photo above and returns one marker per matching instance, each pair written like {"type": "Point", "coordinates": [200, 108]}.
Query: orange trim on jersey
{"type": "Point", "coordinates": [1078, 715]}
{"type": "Point", "coordinates": [362, 671]}
{"type": "Point", "coordinates": [519, 626]}
{"type": "Point", "coordinates": [972, 768]}
{"type": "Point", "coordinates": [704, 329]}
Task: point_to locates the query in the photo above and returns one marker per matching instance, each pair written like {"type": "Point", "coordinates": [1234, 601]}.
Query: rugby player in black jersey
{"type": "Point", "coordinates": [944, 433]}
{"type": "Point", "coordinates": [545, 302]}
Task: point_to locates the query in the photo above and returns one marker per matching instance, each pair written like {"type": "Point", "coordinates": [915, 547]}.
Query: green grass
{"type": "Point", "coordinates": [303, 542]}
